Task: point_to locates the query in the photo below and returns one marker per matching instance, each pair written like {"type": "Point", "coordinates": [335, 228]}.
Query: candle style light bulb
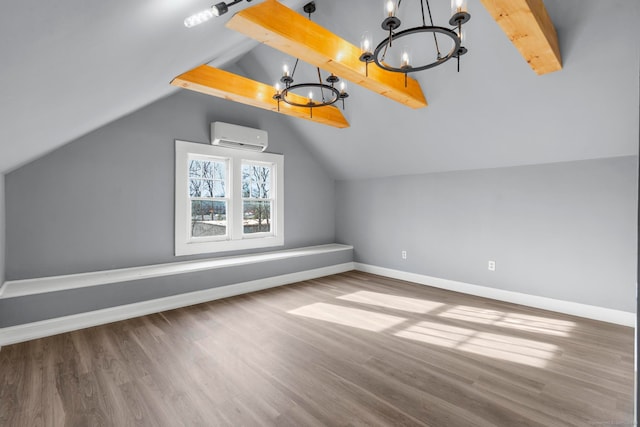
{"type": "Point", "coordinates": [343, 87]}
{"type": "Point", "coordinates": [405, 59]}
{"type": "Point", "coordinates": [458, 6]}
{"type": "Point", "coordinates": [285, 69]}
{"type": "Point", "coordinates": [390, 8]}
{"type": "Point", "coordinates": [310, 96]}
{"type": "Point", "coordinates": [278, 88]}
{"type": "Point", "coordinates": [366, 55]}
{"type": "Point", "coordinates": [365, 42]}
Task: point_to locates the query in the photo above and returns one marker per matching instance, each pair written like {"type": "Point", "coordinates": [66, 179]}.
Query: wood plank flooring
{"type": "Point", "coordinates": [351, 349]}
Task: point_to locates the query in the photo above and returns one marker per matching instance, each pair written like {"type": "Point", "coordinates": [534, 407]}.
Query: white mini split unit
{"type": "Point", "coordinates": [240, 137]}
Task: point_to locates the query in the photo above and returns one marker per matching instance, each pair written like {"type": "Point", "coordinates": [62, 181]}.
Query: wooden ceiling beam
{"type": "Point", "coordinates": [284, 29]}
{"type": "Point", "coordinates": [223, 84]}
{"type": "Point", "coordinates": [528, 26]}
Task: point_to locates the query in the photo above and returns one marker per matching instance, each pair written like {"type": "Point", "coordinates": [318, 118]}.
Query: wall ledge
{"type": "Point", "coordinates": [58, 325]}
{"type": "Point", "coordinates": [566, 307]}
{"type": "Point", "coordinates": [19, 288]}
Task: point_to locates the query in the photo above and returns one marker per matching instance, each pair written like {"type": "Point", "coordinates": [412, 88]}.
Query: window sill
{"type": "Point", "coordinates": [196, 248]}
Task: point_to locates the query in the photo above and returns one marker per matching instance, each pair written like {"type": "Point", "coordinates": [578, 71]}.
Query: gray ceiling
{"type": "Point", "coordinates": [71, 66]}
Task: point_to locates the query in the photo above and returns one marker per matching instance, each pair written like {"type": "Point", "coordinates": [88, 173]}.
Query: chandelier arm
{"type": "Point", "coordinates": [294, 67]}
{"type": "Point", "coordinates": [429, 10]}
{"type": "Point", "coordinates": [435, 39]}
{"type": "Point", "coordinates": [424, 23]}
{"type": "Point", "coordinates": [384, 54]}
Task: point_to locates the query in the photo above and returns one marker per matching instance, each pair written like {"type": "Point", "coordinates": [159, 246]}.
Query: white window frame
{"type": "Point", "coordinates": [235, 239]}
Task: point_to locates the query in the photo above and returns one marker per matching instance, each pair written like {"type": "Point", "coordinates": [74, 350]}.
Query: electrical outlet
{"type": "Point", "coordinates": [492, 266]}
{"type": "Point", "coordinates": [404, 254]}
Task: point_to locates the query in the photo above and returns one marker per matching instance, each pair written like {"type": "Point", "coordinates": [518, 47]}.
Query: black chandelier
{"type": "Point", "coordinates": [383, 52]}
{"type": "Point", "coordinates": [328, 92]}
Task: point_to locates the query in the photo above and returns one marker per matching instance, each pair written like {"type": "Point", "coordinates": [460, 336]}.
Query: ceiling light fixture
{"type": "Point", "coordinates": [215, 10]}
{"type": "Point", "coordinates": [399, 59]}
{"type": "Point", "coordinates": [319, 94]}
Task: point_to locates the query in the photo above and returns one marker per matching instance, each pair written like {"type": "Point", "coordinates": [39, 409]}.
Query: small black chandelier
{"type": "Point", "coordinates": [382, 53]}
{"type": "Point", "coordinates": [329, 93]}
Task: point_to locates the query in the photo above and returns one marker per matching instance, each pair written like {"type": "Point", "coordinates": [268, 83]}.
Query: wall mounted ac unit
{"type": "Point", "coordinates": [234, 136]}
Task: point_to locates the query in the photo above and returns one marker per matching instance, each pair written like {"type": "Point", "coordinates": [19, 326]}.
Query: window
{"type": "Point", "coordinates": [227, 199]}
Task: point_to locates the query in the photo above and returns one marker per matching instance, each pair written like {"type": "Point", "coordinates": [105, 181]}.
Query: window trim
{"type": "Point", "coordinates": [236, 240]}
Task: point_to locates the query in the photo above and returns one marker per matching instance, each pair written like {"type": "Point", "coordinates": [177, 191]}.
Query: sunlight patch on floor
{"type": "Point", "coordinates": [348, 316]}
{"type": "Point", "coordinates": [503, 347]}
{"type": "Point", "coordinates": [523, 322]}
{"type": "Point", "coordinates": [412, 305]}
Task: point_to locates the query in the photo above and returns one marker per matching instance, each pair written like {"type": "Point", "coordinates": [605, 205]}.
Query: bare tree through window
{"type": "Point", "coordinates": [207, 183]}
{"type": "Point", "coordinates": [257, 197]}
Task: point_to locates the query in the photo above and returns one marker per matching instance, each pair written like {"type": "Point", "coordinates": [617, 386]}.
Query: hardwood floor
{"type": "Point", "coordinates": [351, 349]}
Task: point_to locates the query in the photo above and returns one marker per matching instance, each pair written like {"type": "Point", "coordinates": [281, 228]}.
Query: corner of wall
{"type": "Point", "coordinates": [2, 231]}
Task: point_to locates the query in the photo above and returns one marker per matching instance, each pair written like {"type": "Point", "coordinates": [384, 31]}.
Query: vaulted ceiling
{"type": "Point", "coordinates": [69, 67]}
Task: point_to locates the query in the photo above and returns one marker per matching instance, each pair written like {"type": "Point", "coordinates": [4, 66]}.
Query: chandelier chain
{"type": "Point", "coordinates": [435, 39]}
{"type": "Point", "coordinates": [321, 85]}
{"type": "Point", "coordinates": [293, 72]}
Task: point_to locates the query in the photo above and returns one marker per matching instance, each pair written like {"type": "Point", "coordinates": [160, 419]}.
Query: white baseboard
{"type": "Point", "coordinates": [44, 328]}
{"type": "Point", "coordinates": [567, 307]}
{"type": "Point", "coordinates": [29, 331]}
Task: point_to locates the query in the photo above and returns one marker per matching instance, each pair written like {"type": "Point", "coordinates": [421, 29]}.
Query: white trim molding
{"type": "Point", "coordinates": [19, 288]}
{"type": "Point", "coordinates": [567, 307]}
{"type": "Point", "coordinates": [44, 328]}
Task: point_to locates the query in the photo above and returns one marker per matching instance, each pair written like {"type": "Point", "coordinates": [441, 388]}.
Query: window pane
{"type": "Point", "coordinates": [195, 188]}
{"type": "Point", "coordinates": [266, 187]}
{"type": "Point", "coordinates": [256, 216]}
{"type": "Point", "coordinates": [195, 168]}
{"type": "Point", "coordinates": [246, 180]}
{"type": "Point", "coordinates": [211, 188]}
{"type": "Point", "coordinates": [219, 170]}
{"type": "Point", "coordinates": [218, 189]}
{"type": "Point", "coordinates": [207, 169]}
{"type": "Point", "coordinates": [256, 181]}
{"type": "Point", "coordinates": [208, 218]}
{"type": "Point", "coordinates": [262, 176]}
{"type": "Point", "coordinates": [255, 190]}
{"type": "Point", "coordinates": [207, 188]}
{"type": "Point", "coordinates": [214, 169]}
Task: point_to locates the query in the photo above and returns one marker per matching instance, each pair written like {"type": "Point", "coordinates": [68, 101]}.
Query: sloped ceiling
{"type": "Point", "coordinates": [69, 67]}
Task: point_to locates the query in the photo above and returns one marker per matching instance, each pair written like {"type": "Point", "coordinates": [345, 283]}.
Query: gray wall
{"type": "Point", "coordinates": [106, 200]}
{"type": "Point", "coordinates": [564, 230]}
{"type": "Point", "coordinates": [2, 229]}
